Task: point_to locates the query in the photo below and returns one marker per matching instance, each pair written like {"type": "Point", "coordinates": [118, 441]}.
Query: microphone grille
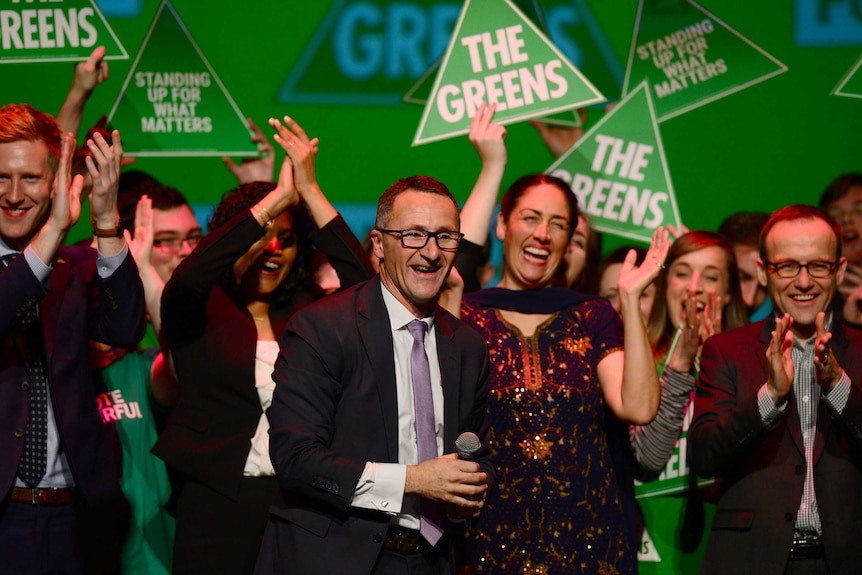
{"type": "Point", "coordinates": [468, 442]}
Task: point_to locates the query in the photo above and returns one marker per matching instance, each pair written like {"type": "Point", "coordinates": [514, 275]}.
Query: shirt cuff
{"type": "Point", "coordinates": [837, 399]}
{"type": "Point", "coordinates": [39, 268]}
{"type": "Point", "coordinates": [107, 265]}
{"type": "Point", "coordinates": [381, 487]}
{"type": "Point", "coordinates": [769, 413]}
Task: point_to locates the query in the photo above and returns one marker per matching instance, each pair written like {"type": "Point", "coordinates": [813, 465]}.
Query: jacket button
{"type": "Point", "coordinates": [377, 538]}
{"type": "Point", "coordinates": [799, 469]}
{"type": "Point", "coordinates": [788, 517]}
{"type": "Point", "coordinates": [19, 433]}
{"type": "Point", "coordinates": [25, 385]}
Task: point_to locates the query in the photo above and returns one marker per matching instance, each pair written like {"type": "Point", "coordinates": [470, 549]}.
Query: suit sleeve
{"type": "Point", "coordinates": [186, 294]}
{"type": "Point", "coordinates": [727, 421]}
{"type": "Point", "coordinates": [344, 252]}
{"type": "Point", "coordinates": [121, 311]}
{"type": "Point", "coordinates": [304, 418]}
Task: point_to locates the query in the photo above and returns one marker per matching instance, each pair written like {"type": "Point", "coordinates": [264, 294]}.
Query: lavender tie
{"type": "Point", "coordinates": [430, 519]}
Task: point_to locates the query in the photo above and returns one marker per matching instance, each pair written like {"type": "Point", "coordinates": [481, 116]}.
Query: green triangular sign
{"type": "Point", "coordinates": [647, 551]}
{"type": "Point", "coordinates": [64, 30]}
{"type": "Point", "coordinates": [498, 55]}
{"type": "Point", "coordinates": [173, 103]}
{"type": "Point", "coordinates": [619, 171]}
{"type": "Point", "coordinates": [419, 93]}
{"type": "Point", "coordinates": [851, 84]}
{"type": "Point", "coordinates": [691, 58]}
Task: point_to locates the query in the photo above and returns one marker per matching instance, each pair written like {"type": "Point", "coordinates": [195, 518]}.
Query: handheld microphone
{"type": "Point", "coordinates": [467, 445]}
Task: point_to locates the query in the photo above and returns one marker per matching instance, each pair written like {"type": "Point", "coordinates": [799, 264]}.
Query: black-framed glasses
{"type": "Point", "coordinates": [175, 244]}
{"type": "Point", "coordinates": [791, 269]}
{"type": "Point", "coordinates": [446, 240]}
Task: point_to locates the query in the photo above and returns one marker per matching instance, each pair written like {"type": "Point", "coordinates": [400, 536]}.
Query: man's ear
{"type": "Point", "coordinates": [762, 276]}
{"type": "Point", "coordinates": [377, 244]}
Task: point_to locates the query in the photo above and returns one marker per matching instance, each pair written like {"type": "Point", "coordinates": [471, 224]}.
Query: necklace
{"type": "Point", "coordinates": [260, 317]}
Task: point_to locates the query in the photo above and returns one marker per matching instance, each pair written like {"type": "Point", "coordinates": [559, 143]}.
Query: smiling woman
{"type": "Point", "coordinates": [223, 311]}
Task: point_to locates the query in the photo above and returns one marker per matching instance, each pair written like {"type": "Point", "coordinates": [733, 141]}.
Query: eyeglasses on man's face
{"type": "Point", "coordinates": [175, 243]}
{"type": "Point", "coordinates": [416, 239]}
{"type": "Point", "coordinates": [790, 269]}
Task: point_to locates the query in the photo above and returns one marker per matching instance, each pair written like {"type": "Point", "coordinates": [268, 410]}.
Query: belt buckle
{"type": "Point", "coordinates": [34, 495]}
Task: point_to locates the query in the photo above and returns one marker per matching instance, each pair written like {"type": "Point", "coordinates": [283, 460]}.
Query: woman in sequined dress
{"type": "Point", "coordinates": [556, 365]}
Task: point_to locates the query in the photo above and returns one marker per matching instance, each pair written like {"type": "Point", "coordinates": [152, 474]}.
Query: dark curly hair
{"type": "Point", "coordinates": [241, 199]}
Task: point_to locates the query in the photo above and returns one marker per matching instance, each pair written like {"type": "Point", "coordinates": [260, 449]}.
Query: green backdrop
{"type": "Point", "coordinates": [778, 142]}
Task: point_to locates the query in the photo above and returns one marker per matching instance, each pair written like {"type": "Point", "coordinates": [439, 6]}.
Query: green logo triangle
{"type": "Point", "coordinates": [173, 103]}
{"type": "Point", "coordinates": [64, 30]}
{"type": "Point", "coordinates": [619, 171]}
{"type": "Point", "coordinates": [851, 84]}
{"type": "Point", "coordinates": [691, 58]}
{"type": "Point", "coordinates": [498, 55]}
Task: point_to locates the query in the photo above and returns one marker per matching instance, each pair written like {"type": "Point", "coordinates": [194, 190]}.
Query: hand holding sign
{"type": "Point", "coordinates": [259, 169]}
{"type": "Point", "coordinates": [487, 137]}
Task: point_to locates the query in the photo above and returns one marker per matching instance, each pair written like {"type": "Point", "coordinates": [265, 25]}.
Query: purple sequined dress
{"type": "Point", "coordinates": [556, 506]}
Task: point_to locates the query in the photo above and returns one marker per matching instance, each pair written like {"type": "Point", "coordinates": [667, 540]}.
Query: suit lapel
{"type": "Point", "coordinates": [839, 345]}
{"type": "Point", "coordinates": [448, 355]}
{"type": "Point", "coordinates": [51, 304]}
{"type": "Point", "coordinates": [376, 335]}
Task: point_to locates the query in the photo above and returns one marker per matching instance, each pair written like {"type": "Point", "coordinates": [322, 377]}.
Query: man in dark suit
{"type": "Point", "coordinates": [61, 509]}
{"type": "Point", "coordinates": [778, 415]}
{"type": "Point", "coordinates": [361, 492]}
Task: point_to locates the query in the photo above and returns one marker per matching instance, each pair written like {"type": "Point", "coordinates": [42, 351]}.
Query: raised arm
{"type": "Point", "coordinates": [333, 237]}
{"type": "Point", "coordinates": [88, 74]}
{"type": "Point", "coordinates": [629, 380]}
{"type": "Point", "coordinates": [487, 137]}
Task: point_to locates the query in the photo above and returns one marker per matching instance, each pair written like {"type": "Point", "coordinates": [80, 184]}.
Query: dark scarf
{"type": "Point", "coordinates": [545, 300]}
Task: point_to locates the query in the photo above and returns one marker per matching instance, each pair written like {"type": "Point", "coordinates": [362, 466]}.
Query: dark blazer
{"type": "Point", "coordinates": [334, 409]}
{"type": "Point", "coordinates": [762, 471]}
{"type": "Point", "coordinates": [76, 306]}
{"type": "Point", "coordinates": [212, 339]}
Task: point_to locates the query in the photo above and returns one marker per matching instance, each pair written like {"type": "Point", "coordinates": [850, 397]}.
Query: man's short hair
{"type": "Point", "coordinates": [840, 187]}
{"type": "Point", "coordinates": [24, 122]}
{"type": "Point", "coordinates": [163, 198]}
{"type": "Point", "coordinates": [413, 183]}
{"type": "Point", "coordinates": [799, 212]}
{"type": "Point", "coordinates": [743, 228]}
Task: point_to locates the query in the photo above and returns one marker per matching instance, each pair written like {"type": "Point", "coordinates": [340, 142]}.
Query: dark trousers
{"type": "Point", "coordinates": [38, 539]}
{"type": "Point", "coordinates": [816, 566]}
{"type": "Point", "coordinates": [73, 539]}
{"type": "Point", "coordinates": [434, 562]}
{"type": "Point", "coordinates": [216, 534]}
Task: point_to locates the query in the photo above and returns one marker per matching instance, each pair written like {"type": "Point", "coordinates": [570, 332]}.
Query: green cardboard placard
{"type": "Point", "coordinates": [692, 58]}
{"type": "Point", "coordinates": [850, 85]}
{"type": "Point", "coordinates": [421, 90]}
{"type": "Point", "coordinates": [619, 171]}
{"type": "Point", "coordinates": [58, 31]}
{"type": "Point", "coordinates": [498, 55]}
{"type": "Point", "coordinates": [173, 102]}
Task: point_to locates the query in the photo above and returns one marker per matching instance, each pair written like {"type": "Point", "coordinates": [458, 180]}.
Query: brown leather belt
{"type": "Point", "coordinates": [405, 541]}
{"type": "Point", "coordinates": [46, 496]}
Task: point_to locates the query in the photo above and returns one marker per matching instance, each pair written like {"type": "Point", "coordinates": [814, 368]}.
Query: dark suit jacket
{"type": "Point", "coordinates": [762, 471]}
{"type": "Point", "coordinates": [334, 409]}
{"type": "Point", "coordinates": [76, 307]}
{"type": "Point", "coordinates": [212, 339]}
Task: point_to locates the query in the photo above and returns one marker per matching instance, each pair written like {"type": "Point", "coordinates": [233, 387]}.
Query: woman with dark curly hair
{"type": "Point", "coordinates": [223, 311]}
